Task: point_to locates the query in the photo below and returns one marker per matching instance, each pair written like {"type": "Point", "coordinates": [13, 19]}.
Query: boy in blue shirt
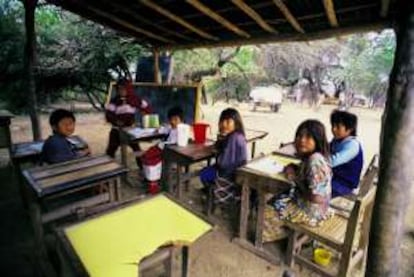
{"type": "Point", "coordinates": [346, 153]}
{"type": "Point", "coordinates": [57, 148]}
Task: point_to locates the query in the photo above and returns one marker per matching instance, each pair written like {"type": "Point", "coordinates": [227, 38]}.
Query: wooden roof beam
{"type": "Point", "coordinates": [254, 15]}
{"type": "Point", "coordinates": [385, 6]}
{"type": "Point", "coordinates": [136, 16]}
{"type": "Point", "coordinates": [330, 12]}
{"type": "Point", "coordinates": [210, 13]}
{"type": "Point", "coordinates": [289, 16]}
{"type": "Point", "coordinates": [126, 24]}
{"type": "Point", "coordinates": [177, 19]}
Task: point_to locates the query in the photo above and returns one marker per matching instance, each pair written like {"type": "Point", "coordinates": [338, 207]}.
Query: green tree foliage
{"type": "Point", "coordinates": [367, 60]}
{"type": "Point", "coordinates": [79, 58]}
{"type": "Point", "coordinates": [73, 55]}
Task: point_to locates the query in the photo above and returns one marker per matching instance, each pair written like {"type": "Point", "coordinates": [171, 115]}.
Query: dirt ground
{"type": "Point", "coordinates": [215, 255]}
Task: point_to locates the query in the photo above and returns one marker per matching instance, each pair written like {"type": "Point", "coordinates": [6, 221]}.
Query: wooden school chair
{"type": "Point", "coordinates": [224, 194]}
{"type": "Point", "coordinates": [287, 148]}
{"type": "Point", "coordinates": [344, 203]}
{"type": "Point", "coordinates": [346, 235]}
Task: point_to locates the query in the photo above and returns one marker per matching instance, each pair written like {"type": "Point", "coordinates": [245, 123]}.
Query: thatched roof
{"type": "Point", "coordinates": [195, 23]}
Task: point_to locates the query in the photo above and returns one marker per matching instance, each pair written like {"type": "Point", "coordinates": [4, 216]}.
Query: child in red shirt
{"type": "Point", "coordinates": [120, 112]}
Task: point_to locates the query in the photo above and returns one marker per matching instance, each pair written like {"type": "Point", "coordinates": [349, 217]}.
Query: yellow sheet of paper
{"type": "Point", "coordinates": [114, 244]}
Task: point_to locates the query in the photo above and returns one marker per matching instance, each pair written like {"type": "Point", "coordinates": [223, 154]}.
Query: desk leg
{"type": "Point", "coordinates": [185, 261]}
{"type": "Point", "coordinates": [40, 247]}
{"type": "Point", "coordinates": [244, 213]}
{"type": "Point", "coordinates": [117, 185]}
{"type": "Point", "coordinates": [21, 184]}
{"type": "Point", "coordinates": [178, 186]}
{"type": "Point", "coordinates": [187, 183]}
{"type": "Point", "coordinates": [124, 153]}
{"type": "Point", "coordinates": [166, 180]}
{"type": "Point", "coordinates": [260, 219]}
{"type": "Point", "coordinates": [253, 149]}
{"type": "Point", "coordinates": [112, 190]}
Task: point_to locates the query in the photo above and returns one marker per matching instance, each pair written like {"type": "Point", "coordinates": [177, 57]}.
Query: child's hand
{"type": "Point", "coordinates": [290, 171]}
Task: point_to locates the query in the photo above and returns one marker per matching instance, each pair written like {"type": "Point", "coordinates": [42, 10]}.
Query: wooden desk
{"type": "Point", "coordinates": [48, 184]}
{"type": "Point", "coordinates": [186, 156]}
{"type": "Point", "coordinates": [114, 242]}
{"type": "Point", "coordinates": [259, 176]}
{"type": "Point", "coordinates": [30, 152]}
{"type": "Point", "coordinates": [252, 136]}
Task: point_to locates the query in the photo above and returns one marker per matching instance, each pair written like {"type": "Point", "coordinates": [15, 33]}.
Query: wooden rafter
{"type": "Point", "coordinates": [385, 6]}
{"type": "Point", "coordinates": [126, 24]}
{"type": "Point", "coordinates": [177, 19]}
{"type": "Point", "coordinates": [142, 19]}
{"type": "Point", "coordinates": [330, 12]}
{"type": "Point", "coordinates": [289, 16]}
{"type": "Point", "coordinates": [210, 13]}
{"type": "Point", "coordinates": [254, 15]}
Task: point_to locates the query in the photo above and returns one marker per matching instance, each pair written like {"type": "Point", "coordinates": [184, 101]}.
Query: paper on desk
{"type": "Point", "coordinates": [141, 132]}
{"type": "Point", "coordinates": [115, 243]}
{"type": "Point", "coordinates": [35, 147]}
{"type": "Point", "coordinates": [267, 165]}
{"type": "Point", "coordinates": [272, 164]}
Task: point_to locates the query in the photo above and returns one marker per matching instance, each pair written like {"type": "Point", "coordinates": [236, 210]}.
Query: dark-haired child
{"type": "Point", "coordinates": [231, 149]}
{"type": "Point", "coordinates": [153, 155]}
{"type": "Point", "coordinates": [312, 193]}
{"type": "Point", "coordinates": [346, 153]}
{"type": "Point", "coordinates": [57, 148]}
{"type": "Point", "coordinates": [120, 112]}
{"type": "Point", "coordinates": [175, 116]}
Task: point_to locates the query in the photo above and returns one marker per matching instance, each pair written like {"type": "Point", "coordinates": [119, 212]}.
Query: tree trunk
{"type": "Point", "coordinates": [30, 63]}
{"type": "Point", "coordinates": [397, 142]}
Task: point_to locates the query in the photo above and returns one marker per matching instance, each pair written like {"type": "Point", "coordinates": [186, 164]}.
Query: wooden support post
{"type": "Point", "coordinates": [385, 6]}
{"type": "Point", "coordinates": [30, 59]}
{"type": "Point", "coordinates": [157, 77]}
{"type": "Point", "coordinates": [397, 141]}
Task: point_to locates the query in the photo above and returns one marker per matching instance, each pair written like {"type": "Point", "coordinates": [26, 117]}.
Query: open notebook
{"type": "Point", "coordinates": [271, 165]}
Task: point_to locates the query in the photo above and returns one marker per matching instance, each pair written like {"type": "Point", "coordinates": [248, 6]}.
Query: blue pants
{"type": "Point", "coordinates": [208, 175]}
{"type": "Point", "coordinates": [340, 189]}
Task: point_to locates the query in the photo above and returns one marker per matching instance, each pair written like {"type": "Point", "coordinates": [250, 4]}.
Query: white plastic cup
{"type": "Point", "coordinates": [183, 134]}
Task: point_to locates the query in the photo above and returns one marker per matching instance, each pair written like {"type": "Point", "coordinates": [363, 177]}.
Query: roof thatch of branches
{"type": "Point", "coordinates": [172, 24]}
